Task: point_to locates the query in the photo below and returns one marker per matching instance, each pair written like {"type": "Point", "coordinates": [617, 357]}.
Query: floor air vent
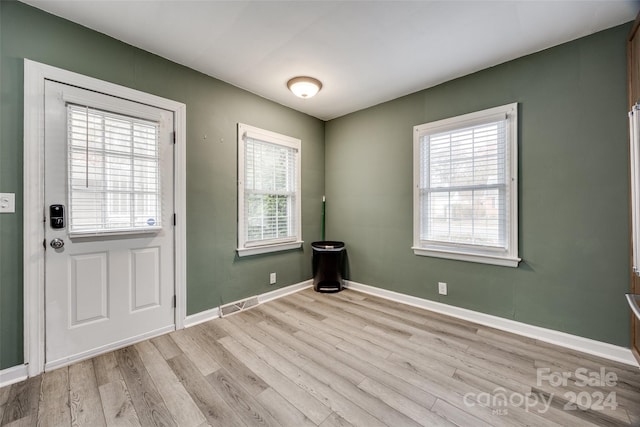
{"type": "Point", "coordinates": [236, 307]}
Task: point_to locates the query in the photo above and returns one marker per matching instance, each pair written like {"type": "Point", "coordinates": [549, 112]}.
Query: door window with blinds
{"type": "Point", "coordinates": [113, 172]}
{"type": "Point", "coordinates": [269, 202]}
{"type": "Point", "coordinates": [465, 187]}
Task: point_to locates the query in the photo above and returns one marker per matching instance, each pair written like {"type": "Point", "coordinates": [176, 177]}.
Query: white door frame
{"type": "Point", "coordinates": [35, 75]}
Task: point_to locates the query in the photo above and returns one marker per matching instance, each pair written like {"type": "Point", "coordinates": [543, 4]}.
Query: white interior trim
{"type": "Point", "coordinates": [201, 317]}
{"type": "Point", "coordinates": [287, 290]}
{"type": "Point", "coordinates": [257, 250]}
{"type": "Point", "coordinates": [505, 257]}
{"type": "Point", "coordinates": [214, 313]}
{"type": "Point", "coordinates": [574, 342]}
{"type": "Point", "coordinates": [13, 375]}
{"type": "Point", "coordinates": [503, 261]}
{"type": "Point", "coordinates": [35, 75]}
{"type": "Point", "coordinates": [248, 248]}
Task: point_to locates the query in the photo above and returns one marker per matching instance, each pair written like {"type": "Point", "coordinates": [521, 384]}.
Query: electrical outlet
{"type": "Point", "coordinates": [272, 279]}
{"type": "Point", "coordinates": [7, 202]}
{"type": "Point", "coordinates": [442, 288]}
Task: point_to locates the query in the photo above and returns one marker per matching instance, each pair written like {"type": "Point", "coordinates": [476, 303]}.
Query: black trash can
{"type": "Point", "coordinates": [328, 264]}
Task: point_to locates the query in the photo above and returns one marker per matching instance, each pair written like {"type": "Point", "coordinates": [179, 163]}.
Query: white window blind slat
{"type": "Point", "coordinates": [113, 172]}
{"type": "Point", "coordinates": [270, 192]}
{"type": "Point", "coordinates": [463, 185]}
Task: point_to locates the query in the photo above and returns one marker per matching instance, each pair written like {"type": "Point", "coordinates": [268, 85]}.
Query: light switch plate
{"type": "Point", "coordinates": [7, 202]}
{"type": "Point", "coordinates": [442, 288]}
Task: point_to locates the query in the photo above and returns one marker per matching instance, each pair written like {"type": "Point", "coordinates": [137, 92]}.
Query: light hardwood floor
{"type": "Point", "coordinates": [312, 359]}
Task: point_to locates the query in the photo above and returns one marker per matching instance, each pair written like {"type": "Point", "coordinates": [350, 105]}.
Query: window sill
{"type": "Point", "coordinates": [503, 261]}
{"type": "Point", "coordinates": [257, 250]}
{"type": "Point", "coordinates": [114, 232]}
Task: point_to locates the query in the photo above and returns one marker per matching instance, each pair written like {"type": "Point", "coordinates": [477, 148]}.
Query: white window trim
{"type": "Point", "coordinates": [247, 249]}
{"type": "Point", "coordinates": [265, 249]}
{"type": "Point", "coordinates": [508, 258]}
{"type": "Point", "coordinates": [35, 75]}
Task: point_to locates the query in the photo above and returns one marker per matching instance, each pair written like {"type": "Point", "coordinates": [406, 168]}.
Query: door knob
{"type": "Point", "coordinates": [57, 243]}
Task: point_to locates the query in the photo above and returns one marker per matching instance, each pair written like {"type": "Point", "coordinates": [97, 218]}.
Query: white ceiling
{"type": "Point", "coordinates": [364, 52]}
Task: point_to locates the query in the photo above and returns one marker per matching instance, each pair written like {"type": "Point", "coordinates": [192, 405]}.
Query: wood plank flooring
{"type": "Point", "coordinates": [312, 359]}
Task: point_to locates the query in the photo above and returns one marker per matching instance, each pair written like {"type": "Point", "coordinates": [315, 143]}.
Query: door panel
{"type": "Point", "coordinates": [88, 288]}
{"type": "Point", "coordinates": [110, 286]}
{"type": "Point", "coordinates": [145, 290]}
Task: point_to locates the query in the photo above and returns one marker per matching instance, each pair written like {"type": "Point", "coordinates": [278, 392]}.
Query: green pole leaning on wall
{"type": "Point", "coordinates": [323, 207]}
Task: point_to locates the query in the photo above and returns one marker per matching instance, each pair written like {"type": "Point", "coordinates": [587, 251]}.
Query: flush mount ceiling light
{"type": "Point", "coordinates": [304, 87]}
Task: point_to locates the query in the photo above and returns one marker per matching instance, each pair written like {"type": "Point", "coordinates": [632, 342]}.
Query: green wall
{"type": "Point", "coordinates": [214, 108]}
{"type": "Point", "coordinates": [572, 179]}
{"type": "Point", "coordinates": [573, 186]}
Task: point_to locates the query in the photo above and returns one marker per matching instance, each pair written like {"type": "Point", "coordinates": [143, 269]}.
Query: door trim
{"type": "Point", "coordinates": [35, 75]}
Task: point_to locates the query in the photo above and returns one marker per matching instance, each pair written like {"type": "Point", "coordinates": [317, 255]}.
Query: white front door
{"type": "Point", "coordinates": [109, 232]}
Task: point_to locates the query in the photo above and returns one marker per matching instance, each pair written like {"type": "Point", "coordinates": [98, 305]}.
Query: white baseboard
{"type": "Point", "coordinates": [201, 317]}
{"type": "Point", "coordinates": [13, 375]}
{"type": "Point", "coordinates": [214, 313]}
{"type": "Point", "coordinates": [586, 345]}
{"type": "Point", "coordinates": [279, 293]}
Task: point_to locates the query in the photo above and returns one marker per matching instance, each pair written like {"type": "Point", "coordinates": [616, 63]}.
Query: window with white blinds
{"type": "Point", "coordinates": [268, 191]}
{"type": "Point", "coordinates": [113, 172]}
{"type": "Point", "coordinates": [465, 197]}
